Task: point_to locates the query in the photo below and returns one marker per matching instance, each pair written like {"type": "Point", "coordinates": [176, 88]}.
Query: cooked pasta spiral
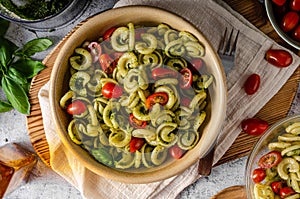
{"type": "Point", "coordinates": [149, 108]}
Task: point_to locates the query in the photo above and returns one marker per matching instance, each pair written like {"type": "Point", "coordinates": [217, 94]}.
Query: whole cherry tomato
{"type": "Point", "coordinates": [95, 50]}
{"type": "Point", "coordinates": [138, 32]}
{"type": "Point", "coordinates": [186, 78]}
{"type": "Point", "coordinates": [279, 2]}
{"type": "Point", "coordinates": [286, 191]}
{"type": "Point", "coordinates": [296, 33]}
{"type": "Point", "coordinates": [196, 65]}
{"type": "Point", "coordinates": [111, 90]}
{"type": "Point", "coordinates": [136, 123]}
{"type": "Point", "coordinates": [280, 11]}
{"type": "Point", "coordinates": [107, 34]}
{"type": "Point", "coordinates": [108, 64]}
{"type": "Point", "coordinates": [159, 73]}
{"type": "Point", "coordinates": [176, 152]}
{"type": "Point", "coordinates": [254, 126]}
{"type": "Point", "coordinates": [117, 55]}
{"type": "Point", "coordinates": [279, 58]}
{"type": "Point", "coordinates": [136, 144]}
{"type": "Point", "coordinates": [159, 97]}
{"type": "Point", "coordinates": [77, 107]}
{"type": "Point", "coordinates": [252, 83]}
{"type": "Point", "coordinates": [258, 175]}
{"type": "Point", "coordinates": [185, 101]}
{"type": "Point", "coordinates": [295, 5]}
{"type": "Point", "coordinates": [289, 21]}
{"type": "Point", "coordinates": [276, 186]}
{"type": "Point", "coordinates": [269, 160]}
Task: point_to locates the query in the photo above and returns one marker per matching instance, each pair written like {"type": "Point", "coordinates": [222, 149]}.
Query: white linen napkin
{"type": "Point", "coordinates": [211, 17]}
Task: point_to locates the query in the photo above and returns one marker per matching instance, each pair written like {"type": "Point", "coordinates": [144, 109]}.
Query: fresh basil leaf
{"type": "Point", "coordinates": [5, 106]}
{"type": "Point", "coordinates": [15, 95]}
{"type": "Point", "coordinates": [26, 87]}
{"type": "Point", "coordinates": [7, 49]}
{"type": "Point", "coordinates": [15, 75]}
{"type": "Point", "coordinates": [28, 67]}
{"type": "Point", "coordinates": [34, 46]}
{"type": "Point", "coordinates": [4, 24]}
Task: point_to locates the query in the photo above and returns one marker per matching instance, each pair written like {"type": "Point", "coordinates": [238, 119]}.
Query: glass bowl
{"type": "Point", "coordinates": [270, 8]}
{"type": "Point", "coordinates": [69, 13]}
{"type": "Point", "coordinates": [261, 148]}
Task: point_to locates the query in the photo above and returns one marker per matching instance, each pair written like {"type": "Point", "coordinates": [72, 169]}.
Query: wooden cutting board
{"type": "Point", "coordinates": [274, 110]}
{"type": "Point", "coordinates": [234, 192]}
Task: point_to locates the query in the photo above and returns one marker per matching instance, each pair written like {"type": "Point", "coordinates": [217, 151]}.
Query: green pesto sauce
{"type": "Point", "coordinates": [35, 9]}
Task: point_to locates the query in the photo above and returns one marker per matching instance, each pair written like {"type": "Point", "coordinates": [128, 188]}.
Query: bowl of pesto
{"type": "Point", "coordinates": [137, 99]}
{"type": "Point", "coordinates": [42, 14]}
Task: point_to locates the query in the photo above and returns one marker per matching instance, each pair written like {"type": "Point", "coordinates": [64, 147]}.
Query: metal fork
{"type": "Point", "coordinates": [227, 47]}
{"type": "Point", "coordinates": [226, 51]}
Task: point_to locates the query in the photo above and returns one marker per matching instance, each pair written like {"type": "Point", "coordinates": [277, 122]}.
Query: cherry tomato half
{"type": "Point", "coordinates": [289, 21]}
{"type": "Point", "coordinates": [95, 50]}
{"type": "Point", "coordinates": [107, 34]}
{"type": "Point", "coordinates": [269, 160]}
{"type": "Point", "coordinates": [108, 64]}
{"type": "Point", "coordinates": [176, 152]}
{"type": "Point", "coordinates": [296, 33]}
{"type": "Point", "coordinates": [252, 84]}
{"type": "Point", "coordinates": [279, 58]}
{"type": "Point", "coordinates": [111, 90]}
{"type": "Point", "coordinates": [279, 2]}
{"type": "Point", "coordinates": [276, 186]}
{"type": "Point", "coordinates": [295, 5]}
{"type": "Point", "coordinates": [286, 191]}
{"type": "Point", "coordinates": [77, 107]}
{"type": "Point", "coordinates": [159, 97]}
{"type": "Point", "coordinates": [159, 73]}
{"type": "Point", "coordinates": [136, 123]}
{"type": "Point", "coordinates": [186, 78]}
{"type": "Point", "coordinates": [254, 126]}
{"type": "Point", "coordinates": [136, 144]}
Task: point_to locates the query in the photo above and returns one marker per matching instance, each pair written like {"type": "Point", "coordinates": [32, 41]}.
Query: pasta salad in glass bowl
{"type": "Point", "coordinates": [138, 96]}
{"type": "Point", "coordinates": [273, 166]}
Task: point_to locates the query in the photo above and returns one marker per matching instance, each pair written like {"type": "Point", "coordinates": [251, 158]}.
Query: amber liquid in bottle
{"type": "Point", "coordinates": [15, 166]}
{"type": "Point", "coordinates": [6, 174]}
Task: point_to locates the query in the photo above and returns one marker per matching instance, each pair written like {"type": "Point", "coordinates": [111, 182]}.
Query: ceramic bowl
{"type": "Point", "coordinates": [275, 19]}
{"type": "Point", "coordinates": [261, 148]}
{"type": "Point", "coordinates": [91, 30]}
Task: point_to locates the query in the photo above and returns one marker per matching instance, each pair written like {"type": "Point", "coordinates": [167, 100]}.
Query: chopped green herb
{"type": "Point", "coordinates": [35, 9]}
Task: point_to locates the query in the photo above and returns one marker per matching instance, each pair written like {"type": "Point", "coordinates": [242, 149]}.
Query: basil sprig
{"type": "Point", "coordinates": [17, 69]}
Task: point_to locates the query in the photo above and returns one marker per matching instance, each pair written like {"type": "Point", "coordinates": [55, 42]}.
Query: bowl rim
{"type": "Point", "coordinates": [257, 145]}
{"type": "Point", "coordinates": [283, 35]}
{"type": "Point", "coordinates": [146, 177]}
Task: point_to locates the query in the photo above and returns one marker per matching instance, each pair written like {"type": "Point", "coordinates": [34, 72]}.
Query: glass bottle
{"type": "Point", "coordinates": [16, 162]}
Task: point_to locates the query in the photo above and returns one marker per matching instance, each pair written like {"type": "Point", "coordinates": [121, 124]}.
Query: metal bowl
{"type": "Point", "coordinates": [69, 13]}
{"type": "Point", "coordinates": [272, 17]}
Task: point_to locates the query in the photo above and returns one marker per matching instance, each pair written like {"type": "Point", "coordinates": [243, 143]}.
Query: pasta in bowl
{"type": "Point", "coordinates": [138, 96]}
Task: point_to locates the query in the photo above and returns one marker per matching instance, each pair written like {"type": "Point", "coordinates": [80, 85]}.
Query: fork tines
{"type": "Point", "coordinates": [227, 45]}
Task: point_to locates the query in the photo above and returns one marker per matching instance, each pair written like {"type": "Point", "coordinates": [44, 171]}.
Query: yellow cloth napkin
{"type": "Point", "coordinates": [211, 17]}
